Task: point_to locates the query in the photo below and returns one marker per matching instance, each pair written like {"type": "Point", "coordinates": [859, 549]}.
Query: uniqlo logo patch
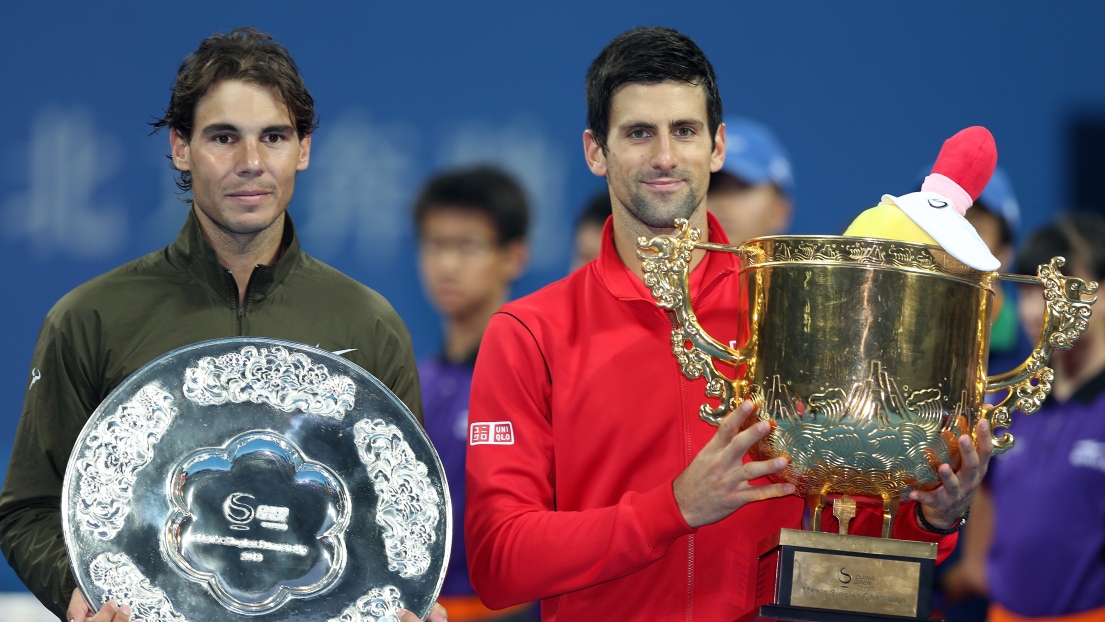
{"type": "Point", "coordinates": [491, 433]}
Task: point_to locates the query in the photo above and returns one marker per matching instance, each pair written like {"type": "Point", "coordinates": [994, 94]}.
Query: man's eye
{"type": "Point", "coordinates": [273, 138]}
{"type": "Point", "coordinates": [684, 132]}
{"type": "Point", "coordinates": [638, 134]}
{"type": "Point", "coordinates": [224, 139]}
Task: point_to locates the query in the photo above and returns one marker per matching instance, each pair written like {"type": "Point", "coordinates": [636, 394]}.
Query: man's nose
{"type": "Point", "coordinates": [663, 158]}
{"type": "Point", "coordinates": [249, 161]}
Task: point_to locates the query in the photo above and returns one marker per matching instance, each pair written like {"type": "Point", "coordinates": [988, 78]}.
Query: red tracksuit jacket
{"type": "Point", "coordinates": [580, 420]}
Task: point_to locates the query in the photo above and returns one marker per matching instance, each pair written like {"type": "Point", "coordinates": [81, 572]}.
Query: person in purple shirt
{"type": "Point", "coordinates": [1047, 552]}
{"type": "Point", "coordinates": [471, 225]}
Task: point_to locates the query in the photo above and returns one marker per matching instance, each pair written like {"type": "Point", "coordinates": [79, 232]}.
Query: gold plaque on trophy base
{"type": "Point", "coordinates": [824, 577]}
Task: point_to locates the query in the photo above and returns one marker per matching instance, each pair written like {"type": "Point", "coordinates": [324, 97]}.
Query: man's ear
{"type": "Point", "coordinates": [180, 150]}
{"type": "Point", "coordinates": [516, 259]}
{"type": "Point", "coordinates": [781, 215]}
{"type": "Point", "coordinates": [717, 158]}
{"type": "Point", "coordinates": [304, 153]}
{"type": "Point", "coordinates": [596, 159]}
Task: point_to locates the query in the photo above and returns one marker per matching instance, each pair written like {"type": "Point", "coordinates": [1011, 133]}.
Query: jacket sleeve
{"type": "Point", "coordinates": [387, 354]}
{"type": "Point", "coordinates": [520, 548]}
{"type": "Point", "coordinates": [402, 377]}
{"type": "Point", "coordinates": [59, 399]}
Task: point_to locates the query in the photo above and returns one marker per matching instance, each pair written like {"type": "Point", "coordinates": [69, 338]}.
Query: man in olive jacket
{"type": "Point", "coordinates": [240, 122]}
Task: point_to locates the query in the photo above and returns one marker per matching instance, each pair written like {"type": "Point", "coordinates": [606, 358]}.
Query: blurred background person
{"type": "Point", "coordinates": [751, 194]}
{"type": "Point", "coordinates": [471, 225]}
{"type": "Point", "coordinates": [588, 232]}
{"type": "Point", "coordinates": [1047, 551]}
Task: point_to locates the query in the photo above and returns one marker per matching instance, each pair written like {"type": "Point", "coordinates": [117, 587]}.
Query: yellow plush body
{"type": "Point", "coordinates": [886, 221]}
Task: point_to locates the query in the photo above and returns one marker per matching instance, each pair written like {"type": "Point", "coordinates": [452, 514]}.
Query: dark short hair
{"type": "Point", "coordinates": [482, 189]}
{"type": "Point", "coordinates": [647, 56]}
{"type": "Point", "coordinates": [1077, 236]}
{"type": "Point", "coordinates": [597, 210]}
{"type": "Point", "coordinates": [248, 55]}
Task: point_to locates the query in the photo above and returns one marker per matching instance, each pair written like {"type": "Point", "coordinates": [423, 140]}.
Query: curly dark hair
{"type": "Point", "coordinates": [248, 55]}
{"type": "Point", "coordinates": [647, 56]}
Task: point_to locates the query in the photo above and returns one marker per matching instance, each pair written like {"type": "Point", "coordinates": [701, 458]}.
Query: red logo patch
{"type": "Point", "coordinates": [491, 433]}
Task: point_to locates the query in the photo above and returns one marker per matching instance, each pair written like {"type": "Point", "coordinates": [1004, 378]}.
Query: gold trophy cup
{"type": "Point", "coordinates": [869, 358]}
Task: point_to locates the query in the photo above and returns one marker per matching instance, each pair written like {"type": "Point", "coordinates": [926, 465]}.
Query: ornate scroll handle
{"type": "Point", "coordinates": [1065, 317]}
{"type": "Point", "coordinates": [667, 260]}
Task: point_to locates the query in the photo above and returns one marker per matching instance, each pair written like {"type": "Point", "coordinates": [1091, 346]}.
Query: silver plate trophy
{"type": "Point", "coordinates": [261, 478]}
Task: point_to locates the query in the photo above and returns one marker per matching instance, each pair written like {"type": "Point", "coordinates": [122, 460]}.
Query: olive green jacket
{"type": "Point", "coordinates": [108, 328]}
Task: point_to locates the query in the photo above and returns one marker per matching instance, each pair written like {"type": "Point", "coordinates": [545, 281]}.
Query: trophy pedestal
{"type": "Point", "coordinates": [782, 613]}
{"type": "Point", "coordinates": [811, 576]}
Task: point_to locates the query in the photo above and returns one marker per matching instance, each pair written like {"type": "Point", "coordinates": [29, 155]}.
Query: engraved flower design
{"type": "Point", "coordinates": [111, 456]}
{"type": "Point", "coordinates": [407, 506]}
{"type": "Point", "coordinates": [274, 375]}
{"type": "Point", "coordinates": [382, 604]}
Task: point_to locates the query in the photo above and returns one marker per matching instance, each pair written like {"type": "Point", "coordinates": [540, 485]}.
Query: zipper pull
{"type": "Point", "coordinates": [241, 311]}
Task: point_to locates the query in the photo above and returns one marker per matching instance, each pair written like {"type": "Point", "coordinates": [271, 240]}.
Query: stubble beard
{"type": "Point", "coordinates": [225, 222]}
{"type": "Point", "coordinates": [657, 215]}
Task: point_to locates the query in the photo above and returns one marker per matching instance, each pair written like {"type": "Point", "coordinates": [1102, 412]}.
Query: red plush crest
{"type": "Point", "coordinates": [968, 159]}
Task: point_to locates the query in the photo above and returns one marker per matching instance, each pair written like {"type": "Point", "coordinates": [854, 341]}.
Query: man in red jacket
{"type": "Point", "coordinates": [592, 482]}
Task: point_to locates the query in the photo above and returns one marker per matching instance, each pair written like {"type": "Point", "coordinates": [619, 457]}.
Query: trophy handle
{"type": "Point", "coordinates": [667, 260]}
{"type": "Point", "coordinates": [1065, 317]}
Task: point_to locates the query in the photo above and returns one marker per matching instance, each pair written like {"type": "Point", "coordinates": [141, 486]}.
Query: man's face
{"type": "Point", "coordinates": [747, 212]}
{"type": "Point", "coordinates": [464, 268]}
{"type": "Point", "coordinates": [659, 153]}
{"type": "Point", "coordinates": [243, 156]}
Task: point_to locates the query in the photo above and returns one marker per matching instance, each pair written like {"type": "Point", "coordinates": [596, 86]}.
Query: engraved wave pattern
{"type": "Point", "coordinates": [407, 506]}
{"type": "Point", "coordinates": [870, 441]}
{"type": "Point", "coordinates": [289, 381]}
{"type": "Point", "coordinates": [120, 579]}
{"type": "Point", "coordinates": [112, 455]}
{"type": "Point", "coordinates": [379, 605]}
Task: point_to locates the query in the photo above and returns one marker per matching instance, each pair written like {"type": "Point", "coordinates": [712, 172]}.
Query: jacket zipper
{"type": "Point", "coordinates": [242, 307]}
{"type": "Point", "coordinates": [690, 538]}
{"type": "Point", "coordinates": [233, 300]}
{"type": "Point", "coordinates": [687, 449]}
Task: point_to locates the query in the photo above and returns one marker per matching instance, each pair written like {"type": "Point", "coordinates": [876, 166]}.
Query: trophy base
{"type": "Point", "coordinates": [783, 613]}
{"type": "Point", "coordinates": [824, 577]}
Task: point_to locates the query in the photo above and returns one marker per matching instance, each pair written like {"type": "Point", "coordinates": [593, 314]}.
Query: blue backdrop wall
{"type": "Point", "coordinates": [862, 93]}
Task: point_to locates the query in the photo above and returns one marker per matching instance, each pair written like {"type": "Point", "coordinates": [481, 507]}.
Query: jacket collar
{"type": "Point", "coordinates": [192, 253]}
{"type": "Point", "coordinates": [625, 285]}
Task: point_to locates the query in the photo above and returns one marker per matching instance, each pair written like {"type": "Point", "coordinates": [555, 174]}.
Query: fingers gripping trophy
{"type": "Point", "coordinates": [867, 354]}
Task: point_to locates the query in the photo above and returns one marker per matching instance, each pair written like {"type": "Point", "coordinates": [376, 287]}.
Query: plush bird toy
{"type": "Point", "coordinates": [935, 215]}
